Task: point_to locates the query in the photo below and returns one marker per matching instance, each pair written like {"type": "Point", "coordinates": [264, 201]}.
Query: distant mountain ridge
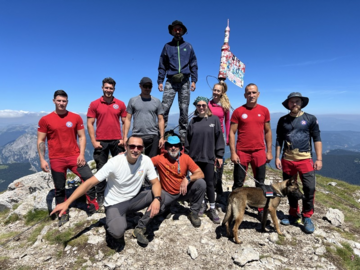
{"type": "Point", "coordinates": [18, 145]}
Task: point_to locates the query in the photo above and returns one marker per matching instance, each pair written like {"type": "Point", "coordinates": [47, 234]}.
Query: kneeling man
{"type": "Point", "coordinates": [173, 168]}
{"type": "Point", "coordinates": [125, 175]}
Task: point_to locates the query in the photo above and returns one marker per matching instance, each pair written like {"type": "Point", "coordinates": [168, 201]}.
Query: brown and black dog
{"type": "Point", "coordinates": [254, 197]}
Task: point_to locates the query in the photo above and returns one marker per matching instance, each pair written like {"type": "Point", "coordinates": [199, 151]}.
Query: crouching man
{"type": "Point", "coordinates": [125, 174]}
{"type": "Point", "coordinates": [173, 168]}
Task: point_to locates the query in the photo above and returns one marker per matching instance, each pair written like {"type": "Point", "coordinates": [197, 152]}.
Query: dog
{"type": "Point", "coordinates": [254, 197]}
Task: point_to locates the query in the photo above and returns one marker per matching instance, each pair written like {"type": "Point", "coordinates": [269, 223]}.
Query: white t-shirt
{"type": "Point", "coordinates": [124, 180]}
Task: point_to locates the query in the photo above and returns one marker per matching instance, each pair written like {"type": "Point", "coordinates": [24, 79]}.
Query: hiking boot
{"type": "Point", "coordinates": [167, 214]}
{"type": "Point", "coordinates": [117, 244]}
{"type": "Point", "coordinates": [213, 216]}
{"type": "Point", "coordinates": [63, 219]}
{"type": "Point", "coordinates": [308, 225]}
{"type": "Point", "coordinates": [202, 209]}
{"type": "Point", "coordinates": [138, 233]}
{"type": "Point", "coordinates": [194, 219]}
{"type": "Point", "coordinates": [293, 220]}
{"type": "Point", "coordinates": [100, 200]}
{"type": "Point", "coordinates": [91, 209]}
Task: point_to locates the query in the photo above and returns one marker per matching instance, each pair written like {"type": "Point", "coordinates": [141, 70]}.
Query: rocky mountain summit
{"type": "Point", "coordinates": [31, 240]}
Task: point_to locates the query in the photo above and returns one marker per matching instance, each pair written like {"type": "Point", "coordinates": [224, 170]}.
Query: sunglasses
{"type": "Point", "coordinates": [175, 145]}
{"type": "Point", "coordinates": [201, 105]}
{"type": "Point", "coordinates": [147, 86]}
{"type": "Point", "coordinates": [133, 146]}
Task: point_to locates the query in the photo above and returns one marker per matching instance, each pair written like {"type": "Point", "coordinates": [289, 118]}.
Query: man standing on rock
{"type": "Point", "coordinates": [145, 110]}
{"type": "Point", "coordinates": [61, 129]}
{"type": "Point", "coordinates": [123, 194]}
{"type": "Point", "coordinates": [294, 133]}
{"type": "Point", "coordinates": [107, 111]}
{"type": "Point", "coordinates": [178, 63]}
{"type": "Point", "coordinates": [173, 168]}
{"type": "Point", "coordinates": [251, 121]}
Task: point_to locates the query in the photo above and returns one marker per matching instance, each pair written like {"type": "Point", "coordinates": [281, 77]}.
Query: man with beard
{"type": "Point", "coordinates": [147, 113]}
{"type": "Point", "coordinates": [177, 185]}
{"type": "Point", "coordinates": [294, 133]}
{"type": "Point", "coordinates": [61, 129]}
{"type": "Point", "coordinates": [107, 111]}
{"type": "Point", "coordinates": [123, 194]}
{"type": "Point", "coordinates": [178, 63]}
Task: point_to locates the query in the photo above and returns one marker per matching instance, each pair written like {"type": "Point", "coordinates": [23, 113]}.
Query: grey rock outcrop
{"type": "Point", "coordinates": [335, 216]}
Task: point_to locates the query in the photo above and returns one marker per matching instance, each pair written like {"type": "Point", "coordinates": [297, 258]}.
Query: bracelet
{"type": "Point", "coordinates": [188, 178]}
{"type": "Point", "coordinates": [158, 197]}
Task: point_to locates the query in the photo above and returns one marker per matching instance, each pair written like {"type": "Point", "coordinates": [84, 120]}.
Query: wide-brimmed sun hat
{"type": "Point", "coordinates": [305, 100]}
{"type": "Point", "coordinates": [171, 26]}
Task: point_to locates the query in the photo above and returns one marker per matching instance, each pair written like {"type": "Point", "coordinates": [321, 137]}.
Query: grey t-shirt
{"type": "Point", "coordinates": [145, 113]}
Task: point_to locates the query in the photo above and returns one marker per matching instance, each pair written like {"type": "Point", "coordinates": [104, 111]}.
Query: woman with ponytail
{"type": "Point", "coordinates": [220, 107]}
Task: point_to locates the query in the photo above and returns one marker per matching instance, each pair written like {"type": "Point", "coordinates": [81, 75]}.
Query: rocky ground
{"type": "Point", "coordinates": [174, 243]}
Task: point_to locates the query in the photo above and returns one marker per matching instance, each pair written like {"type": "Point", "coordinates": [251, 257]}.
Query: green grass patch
{"type": "Point", "coordinates": [6, 236]}
{"type": "Point", "coordinates": [35, 233]}
{"type": "Point", "coordinates": [34, 216]}
{"type": "Point", "coordinates": [3, 167]}
{"type": "Point", "coordinates": [281, 240]}
{"type": "Point", "coordinates": [4, 213]}
{"type": "Point", "coordinates": [345, 256]}
{"type": "Point", "coordinates": [15, 206]}
{"type": "Point", "coordinates": [12, 218]}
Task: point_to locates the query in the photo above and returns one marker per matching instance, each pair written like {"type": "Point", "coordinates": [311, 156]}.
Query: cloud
{"type": "Point", "coordinates": [17, 114]}
{"type": "Point", "coordinates": [313, 62]}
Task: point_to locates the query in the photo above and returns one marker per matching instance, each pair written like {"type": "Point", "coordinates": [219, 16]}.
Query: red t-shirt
{"type": "Point", "coordinates": [251, 122]}
{"type": "Point", "coordinates": [167, 168]}
{"type": "Point", "coordinates": [107, 118]}
{"type": "Point", "coordinates": [61, 133]}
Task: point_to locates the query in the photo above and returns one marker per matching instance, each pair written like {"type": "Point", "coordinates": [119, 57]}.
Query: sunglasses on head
{"type": "Point", "coordinates": [133, 146]}
{"type": "Point", "coordinates": [201, 105]}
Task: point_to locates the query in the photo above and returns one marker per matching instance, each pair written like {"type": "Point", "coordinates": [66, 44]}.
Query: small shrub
{"type": "Point", "coordinates": [34, 216]}
{"type": "Point", "coordinates": [11, 219]}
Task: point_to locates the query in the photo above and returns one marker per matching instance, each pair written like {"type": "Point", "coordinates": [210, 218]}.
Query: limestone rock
{"type": "Point", "coordinates": [335, 216]}
{"type": "Point", "coordinates": [245, 255]}
{"type": "Point", "coordinates": [192, 252]}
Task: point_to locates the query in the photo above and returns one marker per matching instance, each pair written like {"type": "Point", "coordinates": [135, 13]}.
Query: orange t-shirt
{"type": "Point", "coordinates": [167, 168]}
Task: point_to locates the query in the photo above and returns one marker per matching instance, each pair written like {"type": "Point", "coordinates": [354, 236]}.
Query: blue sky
{"type": "Point", "coordinates": [306, 46]}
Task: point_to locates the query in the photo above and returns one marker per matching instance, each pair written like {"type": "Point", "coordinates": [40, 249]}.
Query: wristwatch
{"type": "Point", "coordinates": [188, 178]}
{"type": "Point", "coordinates": [158, 197]}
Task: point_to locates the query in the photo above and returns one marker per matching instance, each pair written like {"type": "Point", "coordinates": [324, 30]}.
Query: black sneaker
{"type": "Point", "coordinates": [63, 219]}
{"type": "Point", "coordinates": [117, 244]}
{"type": "Point", "coordinates": [194, 219]}
{"type": "Point", "coordinates": [138, 233]}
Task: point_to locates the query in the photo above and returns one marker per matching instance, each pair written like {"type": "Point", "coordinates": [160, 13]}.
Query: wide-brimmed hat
{"type": "Point", "coordinates": [305, 100]}
{"type": "Point", "coordinates": [171, 26]}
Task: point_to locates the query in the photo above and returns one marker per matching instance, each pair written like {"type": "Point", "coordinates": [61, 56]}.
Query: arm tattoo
{"type": "Point", "coordinates": [42, 149]}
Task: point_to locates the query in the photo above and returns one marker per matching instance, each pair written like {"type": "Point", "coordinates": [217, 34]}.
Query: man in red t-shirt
{"type": "Point", "coordinates": [252, 123]}
{"type": "Point", "coordinates": [176, 184]}
{"type": "Point", "coordinates": [61, 129]}
{"type": "Point", "coordinates": [107, 111]}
